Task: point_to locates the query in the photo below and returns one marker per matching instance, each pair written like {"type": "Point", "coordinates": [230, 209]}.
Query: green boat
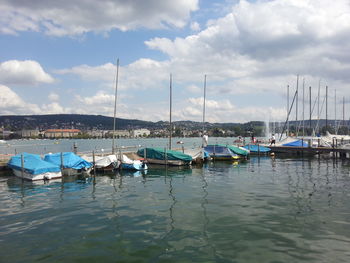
{"type": "Point", "coordinates": [237, 150]}
{"type": "Point", "coordinates": [164, 156]}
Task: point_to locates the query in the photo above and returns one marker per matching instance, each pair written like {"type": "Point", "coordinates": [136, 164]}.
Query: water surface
{"type": "Point", "coordinates": [262, 210]}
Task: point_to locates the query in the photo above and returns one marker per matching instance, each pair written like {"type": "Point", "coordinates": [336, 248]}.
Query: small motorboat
{"type": "Point", "coordinates": [219, 152]}
{"type": "Point", "coordinates": [69, 162]}
{"type": "Point", "coordinates": [128, 164]}
{"type": "Point", "coordinates": [164, 156]}
{"type": "Point", "coordinates": [104, 163]}
{"type": "Point", "coordinates": [254, 149]}
{"type": "Point", "coordinates": [32, 167]}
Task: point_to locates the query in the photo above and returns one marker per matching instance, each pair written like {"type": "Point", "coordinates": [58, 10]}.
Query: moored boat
{"type": "Point", "coordinates": [220, 152]}
{"type": "Point", "coordinates": [256, 149]}
{"type": "Point", "coordinates": [128, 164]}
{"type": "Point", "coordinates": [69, 162]}
{"type": "Point", "coordinates": [32, 167]}
{"type": "Point", "coordinates": [164, 156]}
{"type": "Point", "coordinates": [240, 151]}
{"type": "Point", "coordinates": [103, 163]}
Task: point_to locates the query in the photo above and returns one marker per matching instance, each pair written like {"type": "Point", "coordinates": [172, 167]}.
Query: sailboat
{"type": "Point", "coordinates": [124, 162]}
{"type": "Point", "coordinates": [165, 156]}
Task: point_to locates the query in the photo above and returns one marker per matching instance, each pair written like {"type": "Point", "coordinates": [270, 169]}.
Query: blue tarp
{"type": "Point", "coordinates": [298, 143]}
{"type": "Point", "coordinates": [254, 148]}
{"type": "Point", "coordinates": [33, 164]}
{"type": "Point", "coordinates": [70, 160]}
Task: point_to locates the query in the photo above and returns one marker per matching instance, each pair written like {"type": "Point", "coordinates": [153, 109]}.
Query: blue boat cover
{"type": "Point", "coordinates": [254, 148]}
{"type": "Point", "coordinates": [297, 143]}
{"type": "Point", "coordinates": [33, 164]}
{"type": "Point", "coordinates": [70, 160]}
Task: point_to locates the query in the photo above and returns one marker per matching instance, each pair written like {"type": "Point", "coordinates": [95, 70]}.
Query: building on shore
{"type": "Point", "coordinates": [140, 133]}
{"type": "Point", "coordinates": [97, 133]}
{"type": "Point", "coordinates": [119, 133]}
{"type": "Point", "coordinates": [29, 133]}
{"type": "Point", "coordinates": [61, 133]}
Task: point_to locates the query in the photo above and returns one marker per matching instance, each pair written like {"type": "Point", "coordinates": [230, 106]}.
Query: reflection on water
{"type": "Point", "coordinates": [264, 209]}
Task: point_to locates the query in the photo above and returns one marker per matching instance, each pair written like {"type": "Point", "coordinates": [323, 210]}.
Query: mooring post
{"type": "Point", "coordinates": [336, 146]}
{"type": "Point", "coordinates": [214, 153]}
{"type": "Point", "coordinates": [145, 154]}
{"type": "Point", "coordinates": [22, 166]}
{"type": "Point", "coordinates": [62, 164]}
{"type": "Point", "coordinates": [75, 148]}
{"type": "Point", "coordinates": [302, 145]}
{"type": "Point", "coordinates": [318, 142]}
{"type": "Point", "coordinates": [93, 162]}
{"type": "Point", "coordinates": [258, 149]}
{"type": "Point", "coordinates": [165, 157]}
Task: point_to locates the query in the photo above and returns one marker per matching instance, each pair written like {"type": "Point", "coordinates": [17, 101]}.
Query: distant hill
{"type": "Point", "coordinates": [88, 122]}
{"type": "Point", "coordinates": [19, 122]}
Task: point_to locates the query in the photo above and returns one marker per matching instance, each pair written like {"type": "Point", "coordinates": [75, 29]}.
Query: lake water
{"type": "Point", "coordinates": [262, 210]}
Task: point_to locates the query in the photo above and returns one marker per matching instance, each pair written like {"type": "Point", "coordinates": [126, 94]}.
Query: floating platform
{"type": "Point", "coordinates": [310, 150]}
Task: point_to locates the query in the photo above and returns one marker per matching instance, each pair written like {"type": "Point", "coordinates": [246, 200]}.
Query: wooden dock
{"type": "Point", "coordinates": [338, 152]}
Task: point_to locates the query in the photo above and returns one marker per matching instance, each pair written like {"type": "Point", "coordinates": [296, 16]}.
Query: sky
{"type": "Point", "coordinates": [61, 57]}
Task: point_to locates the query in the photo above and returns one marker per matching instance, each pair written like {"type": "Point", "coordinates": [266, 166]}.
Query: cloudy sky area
{"type": "Point", "coordinates": [60, 57]}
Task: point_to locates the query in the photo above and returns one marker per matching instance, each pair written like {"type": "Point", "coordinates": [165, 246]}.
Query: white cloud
{"type": "Point", "coordinates": [195, 26]}
{"type": "Point", "coordinates": [54, 97]}
{"type": "Point", "coordinates": [101, 97]}
{"type": "Point", "coordinates": [252, 53]}
{"type": "Point", "coordinates": [225, 111]}
{"type": "Point", "coordinates": [141, 74]}
{"type": "Point", "coordinates": [194, 88]}
{"type": "Point", "coordinates": [76, 17]}
{"type": "Point", "coordinates": [254, 36]}
{"type": "Point", "coordinates": [27, 72]}
{"type": "Point", "coordinates": [11, 103]}
{"type": "Point", "coordinates": [106, 72]}
{"type": "Point", "coordinates": [55, 108]}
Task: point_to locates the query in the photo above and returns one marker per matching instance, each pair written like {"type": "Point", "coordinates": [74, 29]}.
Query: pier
{"type": "Point", "coordinates": [341, 152]}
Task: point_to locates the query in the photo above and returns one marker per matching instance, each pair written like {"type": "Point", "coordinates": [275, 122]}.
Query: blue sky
{"type": "Point", "coordinates": [60, 56]}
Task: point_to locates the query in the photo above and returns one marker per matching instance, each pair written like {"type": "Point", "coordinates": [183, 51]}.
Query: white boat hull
{"type": "Point", "coordinates": [35, 177]}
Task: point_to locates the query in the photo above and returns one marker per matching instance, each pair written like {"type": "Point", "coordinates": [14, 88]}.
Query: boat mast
{"type": "Point", "coordinates": [296, 108]}
{"type": "Point", "coordinates": [335, 111]}
{"type": "Point", "coordinates": [318, 105]}
{"type": "Point", "coordinates": [115, 107]}
{"type": "Point", "coordinates": [303, 107]}
{"type": "Point", "coordinates": [310, 107]}
{"type": "Point", "coordinates": [287, 110]}
{"type": "Point", "coordinates": [343, 111]}
{"type": "Point", "coordinates": [205, 87]}
{"type": "Point", "coordinates": [326, 108]}
{"type": "Point", "coordinates": [170, 109]}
